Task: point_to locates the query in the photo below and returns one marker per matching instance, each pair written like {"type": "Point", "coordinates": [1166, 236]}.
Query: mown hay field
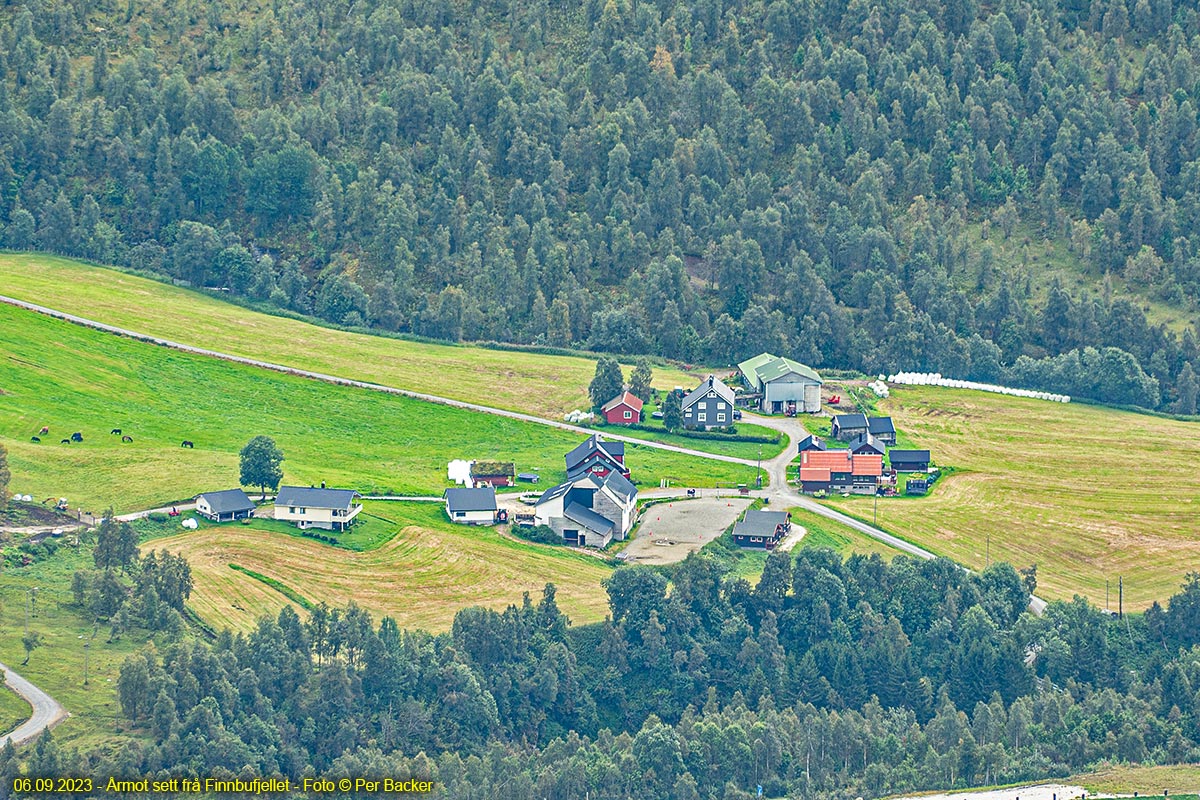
{"type": "Point", "coordinates": [428, 571]}
{"type": "Point", "coordinates": [1087, 493]}
{"type": "Point", "coordinates": [70, 378]}
{"type": "Point", "coordinates": [548, 385]}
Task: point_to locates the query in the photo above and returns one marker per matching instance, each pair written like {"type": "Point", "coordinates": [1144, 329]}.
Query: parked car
{"type": "Point", "coordinates": [737, 413]}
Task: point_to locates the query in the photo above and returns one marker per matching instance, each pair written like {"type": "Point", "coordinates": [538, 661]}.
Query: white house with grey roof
{"type": "Point", "coordinates": [471, 506]}
{"type": "Point", "coordinates": [309, 507]}
{"type": "Point", "coordinates": [224, 506]}
{"type": "Point", "coordinates": [709, 405]}
{"type": "Point", "coordinates": [589, 511]}
{"type": "Point", "coordinates": [782, 385]}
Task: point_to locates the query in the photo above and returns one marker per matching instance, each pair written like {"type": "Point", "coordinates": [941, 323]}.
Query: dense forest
{"type": "Point", "coordinates": [829, 678]}
{"type": "Point", "coordinates": [698, 179]}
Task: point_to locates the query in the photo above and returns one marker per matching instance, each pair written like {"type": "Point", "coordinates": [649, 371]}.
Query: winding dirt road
{"type": "Point", "coordinates": [46, 710]}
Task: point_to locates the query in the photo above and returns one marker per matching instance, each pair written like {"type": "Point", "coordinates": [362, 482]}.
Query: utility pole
{"type": "Point", "coordinates": [876, 522]}
{"type": "Point", "coordinates": [87, 648]}
{"type": "Point", "coordinates": [988, 557]}
{"type": "Point", "coordinates": [1120, 597]}
{"type": "Point", "coordinates": [760, 466]}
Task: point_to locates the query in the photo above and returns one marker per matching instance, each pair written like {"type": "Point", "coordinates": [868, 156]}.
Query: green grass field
{"type": "Point", "coordinates": [13, 710]}
{"type": "Point", "coordinates": [1086, 493]}
{"type": "Point", "coordinates": [1180, 780]}
{"type": "Point", "coordinates": [75, 379]}
{"type": "Point", "coordinates": [422, 575]}
{"type": "Point", "coordinates": [820, 532]}
{"type": "Point", "coordinates": [530, 382]}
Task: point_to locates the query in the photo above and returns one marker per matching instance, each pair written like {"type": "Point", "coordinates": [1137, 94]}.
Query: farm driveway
{"type": "Point", "coordinates": [689, 524]}
{"type": "Point", "coordinates": [46, 710]}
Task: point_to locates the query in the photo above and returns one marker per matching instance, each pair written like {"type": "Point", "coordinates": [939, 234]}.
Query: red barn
{"type": "Point", "coordinates": [624, 409]}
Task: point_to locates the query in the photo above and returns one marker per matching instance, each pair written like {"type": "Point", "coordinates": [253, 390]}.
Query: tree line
{"type": "Point", "coordinates": [829, 678]}
{"type": "Point", "coordinates": [883, 187]}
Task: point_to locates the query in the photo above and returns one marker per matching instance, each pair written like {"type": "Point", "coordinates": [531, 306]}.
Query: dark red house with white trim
{"type": "Point", "coordinates": [624, 409]}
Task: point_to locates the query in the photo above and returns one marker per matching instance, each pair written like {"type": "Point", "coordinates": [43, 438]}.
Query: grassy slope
{"type": "Point", "coordinates": [422, 576]}
{"type": "Point", "coordinates": [530, 382]}
{"type": "Point", "coordinates": [820, 532]}
{"type": "Point", "coordinates": [57, 666]}
{"type": "Point", "coordinates": [1146, 781]}
{"type": "Point", "coordinates": [75, 379]}
{"type": "Point", "coordinates": [13, 710]}
{"type": "Point", "coordinates": [1087, 493]}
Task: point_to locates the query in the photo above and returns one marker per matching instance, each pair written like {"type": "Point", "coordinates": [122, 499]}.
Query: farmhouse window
{"type": "Point", "coordinates": [720, 417]}
{"type": "Point", "coordinates": [460, 514]}
{"type": "Point", "coordinates": [701, 417]}
{"type": "Point", "coordinates": [628, 415]}
{"type": "Point", "coordinates": [720, 406]}
{"type": "Point", "coordinates": [292, 510]}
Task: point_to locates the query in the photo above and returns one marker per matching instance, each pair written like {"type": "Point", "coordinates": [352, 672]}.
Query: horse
{"type": "Point", "coordinates": [127, 439]}
{"type": "Point", "coordinates": [115, 432]}
{"type": "Point", "coordinates": [35, 438]}
{"type": "Point", "coordinates": [186, 443]}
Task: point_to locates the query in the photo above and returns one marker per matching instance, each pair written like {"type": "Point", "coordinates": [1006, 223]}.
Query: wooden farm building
{"type": "Point", "coordinates": [883, 429]}
{"type": "Point", "coordinates": [781, 385]}
{"type": "Point", "coordinates": [846, 426]}
{"type": "Point", "coordinates": [493, 473]}
{"type": "Point", "coordinates": [840, 471]}
{"type": "Point", "coordinates": [909, 460]}
{"type": "Point", "coordinates": [760, 528]}
{"type": "Point", "coordinates": [866, 444]}
{"type": "Point", "coordinates": [471, 506]}
{"type": "Point", "coordinates": [624, 409]}
{"type": "Point", "coordinates": [709, 405]}
{"type": "Point", "coordinates": [596, 457]}
{"type": "Point", "coordinates": [224, 506]}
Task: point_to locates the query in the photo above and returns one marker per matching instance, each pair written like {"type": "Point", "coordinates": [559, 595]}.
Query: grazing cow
{"type": "Point", "coordinates": [35, 438]}
{"type": "Point", "coordinates": [126, 438]}
{"type": "Point", "coordinates": [65, 441]}
{"type": "Point", "coordinates": [186, 443]}
{"type": "Point", "coordinates": [45, 429]}
{"type": "Point", "coordinates": [115, 431]}
{"type": "Point", "coordinates": [76, 437]}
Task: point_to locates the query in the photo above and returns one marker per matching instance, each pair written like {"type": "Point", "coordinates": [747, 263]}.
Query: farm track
{"type": "Point", "coordinates": [47, 712]}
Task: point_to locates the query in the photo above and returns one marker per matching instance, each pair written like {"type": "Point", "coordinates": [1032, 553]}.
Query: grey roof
{"type": "Point", "coordinates": [810, 442]}
{"type": "Point", "coordinates": [908, 455]}
{"type": "Point", "coordinates": [620, 485]}
{"type": "Point", "coordinates": [482, 499]}
{"type": "Point", "coordinates": [228, 501]}
{"type": "Point", "coordinates": [555, 491]}
{"type": "Point", "coordinates": [710, 384]}
{"type": "Point", "coordinates": [851, 420]}
{"type": "Point", "coordinates": [878, 425]}
{"type": "Point", "coordinates": [866, 439]}
{"type": "Point", "coordinates": [588, 518]}
{"type": "Point", "coordinates": [310, 497]}
{"type": "Point", "coordinates": [760, 523]}
{"type": "Point", "coordinates": [590, 445]}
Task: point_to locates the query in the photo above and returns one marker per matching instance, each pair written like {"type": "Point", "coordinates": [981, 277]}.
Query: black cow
{"type": "Point", "coordinates": [76, 437]}
{"type": "Point", "coordinates": [35, 438]}
{"type": "Point", "coordinates": [186, 443]}
{"type": "Point", "coordinates": [115, 432]}
{"type": "Point", "coordinates": [126, 438]}
{"type": "Point", "coordinates": [65, 441]}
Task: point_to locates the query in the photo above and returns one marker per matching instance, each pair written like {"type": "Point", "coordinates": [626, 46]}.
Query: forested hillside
{"type": "Point", "coordinates": [829, 679]}
{"type": "Point", "coordinates": [858, 185]}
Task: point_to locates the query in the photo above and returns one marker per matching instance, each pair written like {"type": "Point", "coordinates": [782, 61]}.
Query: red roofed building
{"type": "Point", "coordinates": [624, 409]}
{"type": "Point", "coordinates": [839, 470]}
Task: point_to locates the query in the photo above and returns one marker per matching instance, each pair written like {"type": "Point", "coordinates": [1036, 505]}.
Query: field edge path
{"type": "Point", "coordinates": [378, 387]}
{"type": "Point", "coordinates": [47, 712]}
